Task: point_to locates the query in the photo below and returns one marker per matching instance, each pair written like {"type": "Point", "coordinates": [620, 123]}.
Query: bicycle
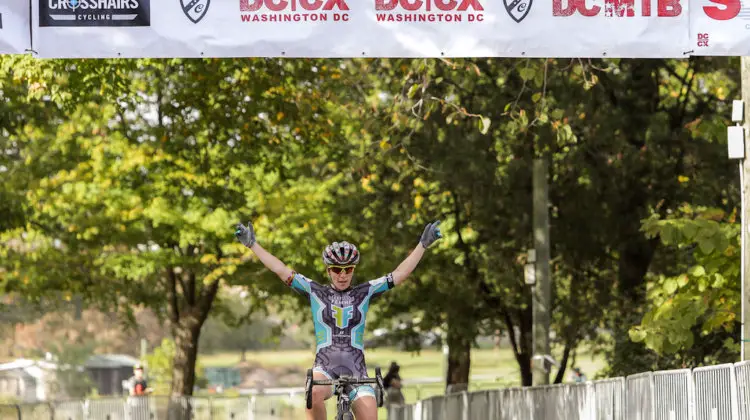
{"type": "Point", "coordinates": [343, 405]}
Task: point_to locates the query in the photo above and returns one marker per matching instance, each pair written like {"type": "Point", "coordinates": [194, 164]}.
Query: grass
{"type": "Point", "coordinates": [497, 368]}
{"type": "Point", "coordinates": [492, 365]}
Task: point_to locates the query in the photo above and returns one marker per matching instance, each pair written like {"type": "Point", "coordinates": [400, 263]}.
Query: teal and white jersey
{"type": "Point", "coordinates": [339, 318]}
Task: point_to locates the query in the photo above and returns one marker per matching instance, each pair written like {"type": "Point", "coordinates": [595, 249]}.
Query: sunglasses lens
{"type": "Point", "coordinates": [338, 270]}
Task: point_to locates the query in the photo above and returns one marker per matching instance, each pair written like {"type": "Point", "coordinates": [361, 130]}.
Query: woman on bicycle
{"type": "Point", "coordinates": [339, 310]}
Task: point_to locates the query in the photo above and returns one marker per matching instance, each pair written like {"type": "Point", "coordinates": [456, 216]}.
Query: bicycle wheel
{"type": "Point", "coordinates": [308, 388]}
{"type": "Point", "coordinates": [343, 412]}
{"type": "Point", "coordinates": [379, 388]}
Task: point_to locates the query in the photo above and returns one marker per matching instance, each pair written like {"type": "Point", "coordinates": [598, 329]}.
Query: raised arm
{"type": "Point", "coordinates": [246, 235]}
{"type": "Point", "coordinates": [429, 236]}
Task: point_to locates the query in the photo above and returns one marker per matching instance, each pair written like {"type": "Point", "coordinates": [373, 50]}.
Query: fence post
{"type": "Point", "coordinates": [733, 392]}
{"type": "Point", "coordinates": [18, 410]}
{"type": "Point", "coordinates": [653, 397]}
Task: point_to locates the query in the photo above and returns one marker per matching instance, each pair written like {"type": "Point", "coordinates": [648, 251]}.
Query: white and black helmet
{"type": "Point", "coordinates": [341, 253]}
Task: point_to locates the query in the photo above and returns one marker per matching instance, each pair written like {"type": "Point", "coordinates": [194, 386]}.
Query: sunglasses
{"type": "Point", "coordinates": [337, 269]}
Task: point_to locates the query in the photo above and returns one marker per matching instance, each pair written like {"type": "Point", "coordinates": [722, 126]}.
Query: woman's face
{"type": "Point", "coordinates": [341, 276]}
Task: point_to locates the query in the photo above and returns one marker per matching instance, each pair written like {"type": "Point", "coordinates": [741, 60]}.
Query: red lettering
{"type": "Point", "coordinates": [619, 8]}
{"type": "Point", "coordinates": [311, 4]}
{"type": "Point", "coordinates": [703, 40]}
{"type": "Point", "coordinates": [276, 7]}
{"type": "Point", "coordinates": [446, 5]}
{"type": "Point", "coordinates": [385, 4]}
{"type": "Point", "coordinates": [279, 5]}
{"type": "Point", "coordinates": [730, 10]}
{"type": "Point", "coordinates": [474, 4]}
{"type": "Point", "coordinates": [411, 5]}
{"type": "Point", "coordinates": [339, 4]}
{"type": "Point", "coordinates": [669, 8]}
{"type": "Point", "coordinates": [573, 5]}
{"type": "Point", "coordinates": [246, 6]}
{"type": "Point", "coordinates": [585, 11]}
{"type": "Point", "coordinates": [558, 10]}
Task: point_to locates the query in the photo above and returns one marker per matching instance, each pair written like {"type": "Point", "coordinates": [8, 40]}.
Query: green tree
{"type": "Point", "coordinates": [694, 305]}
{"type": "Point", "coordinates": [131, 199]}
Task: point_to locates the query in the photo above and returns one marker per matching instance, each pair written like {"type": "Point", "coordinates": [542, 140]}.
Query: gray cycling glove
{"type": "Point", "coordinates": [246, 235]}
{"type": "Point", "coordinates": [431, 234]}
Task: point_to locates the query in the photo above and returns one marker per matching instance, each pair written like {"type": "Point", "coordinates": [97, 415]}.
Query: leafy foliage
{"type": "Point", "coordinates": [133, 171]}
{"type": "Point", "coordinates": [703, 297]}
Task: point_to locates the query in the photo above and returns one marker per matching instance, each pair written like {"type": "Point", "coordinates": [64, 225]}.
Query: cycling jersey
{"type": "Point", "coordinates": [339, 319]}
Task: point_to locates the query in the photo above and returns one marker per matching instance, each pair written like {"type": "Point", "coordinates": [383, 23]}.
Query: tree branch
{"type": "Point", "coordinates": [207, 300]}
{"type": "Point", "coordinates": [564, 362]}
{"type": "Point", "coordinates": [174, 314]}
{"type": "Point", "coordinates": [191, 288]}
{"type": "Point", "coordinates": [511, 334]}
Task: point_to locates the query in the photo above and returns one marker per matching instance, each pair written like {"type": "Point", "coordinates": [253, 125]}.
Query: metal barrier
{"type": "Point", "coordinates": [609, 399]}
{"type": "Point", "coordinates": [715, 392]}
{"type": "Point", "coordinates": [639, 396]}
{"type": "Point", "coordinates": [742, 373]}
{"type": "Point", "coordinates": [719, 392]}
{"type": "Point", "coordinates": [673, 395]}
{"type": "Point", "coordinates": [141, 408]}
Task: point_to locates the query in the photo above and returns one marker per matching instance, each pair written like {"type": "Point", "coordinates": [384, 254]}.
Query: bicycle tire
{"type": "Point", "coordinates": [379, 388]}
{"type": "Point", "coordinates": [308, 389]}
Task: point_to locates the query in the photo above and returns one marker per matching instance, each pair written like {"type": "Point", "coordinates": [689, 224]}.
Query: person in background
{"type": "Point", "coordinates": [578, 376]}
{"type": "Point", "coordinates": [137, 406]}
{"type": "Point", "coordinates": [139, 384]}
{"type": "Point", "coordinates": [392, 385]}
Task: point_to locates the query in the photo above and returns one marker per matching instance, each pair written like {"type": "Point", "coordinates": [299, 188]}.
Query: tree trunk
{"type": "Point", "coordinates": [187, 316]}
{"type": "Point", "coordinates": [459, 359]}
{"type": "Point", "coordinates": [521, 344]}
{"type": "Point", "coordinates": [563, 363]}
{"type": "Point", "coordinates": [524, 362]}
{"type": "Point", "coordinates": [186, 335]}
{"type": "Point", "coordinates": [243, 358]}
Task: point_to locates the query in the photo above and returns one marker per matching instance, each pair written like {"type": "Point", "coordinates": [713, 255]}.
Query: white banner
{"type": "Point", "coordinates": [360, 28]}
{"type": "Point", "coordinates": [15, 31]}
{"type": "Point", "coordinates": [720, 27]}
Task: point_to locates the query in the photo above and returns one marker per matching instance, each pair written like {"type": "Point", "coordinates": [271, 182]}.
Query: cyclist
{"type": "Point", "coordinates": [339, 311]}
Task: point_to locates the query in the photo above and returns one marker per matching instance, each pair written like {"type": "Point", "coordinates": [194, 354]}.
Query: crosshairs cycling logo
{"type": "Point", "coordinates": [94, 13]}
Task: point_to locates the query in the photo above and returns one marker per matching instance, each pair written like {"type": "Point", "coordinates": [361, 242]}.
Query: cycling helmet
{"type": "Point", "coordinates": [341, 253]}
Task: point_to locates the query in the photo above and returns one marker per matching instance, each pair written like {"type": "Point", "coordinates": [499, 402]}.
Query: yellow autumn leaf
{"type": "Point", "coordinates": [208, 258]}
{"type": "Point", "coordinates": [418, 201]}
{"type": "Point", "coordinates": [366, 184]}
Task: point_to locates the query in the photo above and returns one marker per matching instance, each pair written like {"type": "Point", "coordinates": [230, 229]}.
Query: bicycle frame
{"type": "Point", "coordinates": [343, 405]}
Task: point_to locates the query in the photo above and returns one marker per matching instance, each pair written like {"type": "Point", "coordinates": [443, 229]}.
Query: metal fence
{"type": "Point", "coordinates": [707, 393]}
{"type": "Point", "coordinates": [138, 408]}
{"type": "Point", "coordinates": [719, 392]}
